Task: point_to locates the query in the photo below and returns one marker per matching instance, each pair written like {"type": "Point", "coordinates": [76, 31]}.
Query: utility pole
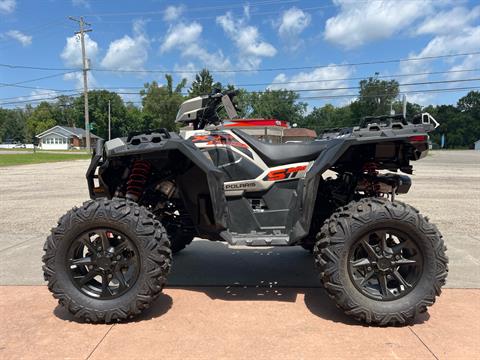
{"type": "Point", "coordinates": [109, 123]}
{"type": "Point", "coordinates": [85, 61]}
{"type": "Point", "coordinates": [404, 107]}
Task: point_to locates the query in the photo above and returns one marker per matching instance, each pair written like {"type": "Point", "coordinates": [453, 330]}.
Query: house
{"type": "Point", "coordinates": [64, 138]}
{"type": "Point", "coordinates": [476, 145]}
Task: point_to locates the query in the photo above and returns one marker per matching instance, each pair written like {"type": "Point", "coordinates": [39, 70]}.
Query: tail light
{"type": "Point", "coordinates": [418, 138]}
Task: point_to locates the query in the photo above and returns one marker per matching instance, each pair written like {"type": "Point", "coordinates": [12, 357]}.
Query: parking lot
{"type": "Point", "coordinates": [232, 300]}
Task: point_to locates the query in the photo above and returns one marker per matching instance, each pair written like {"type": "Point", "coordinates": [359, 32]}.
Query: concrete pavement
{"type": "Point", "coordinates": [235, 323]}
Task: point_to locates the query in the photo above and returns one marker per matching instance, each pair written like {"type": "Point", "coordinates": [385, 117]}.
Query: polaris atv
{"type": "Point", "coordinates": [151, 193]}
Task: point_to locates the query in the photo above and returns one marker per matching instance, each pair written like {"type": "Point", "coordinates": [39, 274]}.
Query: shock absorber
{"type": "Point", "coordinates": [371, 171]}
{"type": "Point", "coordinates": [137, 179]}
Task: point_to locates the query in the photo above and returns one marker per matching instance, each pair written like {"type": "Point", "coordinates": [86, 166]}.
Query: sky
{"type": "Point", "coordinates": [320, 48]}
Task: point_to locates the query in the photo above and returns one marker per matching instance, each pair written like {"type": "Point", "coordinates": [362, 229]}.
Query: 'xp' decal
{"type": "Point", "coordinates": [283, 174]}
{"type": "Point", "coordinates": [222, 139]}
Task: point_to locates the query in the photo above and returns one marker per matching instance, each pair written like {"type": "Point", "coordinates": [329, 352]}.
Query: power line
{"type": "Point", "coordinates": [11, 66]}
{"type": "Point", "coordinates": [360, 78]}
{"type": "Point", "coordinates": [260, 91]}
{"type": "Point", "coordinates": [298, 67]}
{"type": "Point", "coordinates": [203, 8]}
{"type": "Point", "coordinates": [383, 95]}
{"type": "Point", "coordinates": [321, 80]}
{"type": "Point", "coordinates": [16, 84]}
{"type": "Point", "coordinates": [400, 84]}
{"type": "Point", "coordinates": [35, 100]}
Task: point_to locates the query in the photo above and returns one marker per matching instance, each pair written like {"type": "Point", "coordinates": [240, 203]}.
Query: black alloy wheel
{"type": "Point", "coordinates": [107, 260]}
{"type": "Point", "coordinates": [382, 262]}
{"type": "Point", "coordinates": [385, 264]}
{"type": "Point", "coordinates": [103, 263]}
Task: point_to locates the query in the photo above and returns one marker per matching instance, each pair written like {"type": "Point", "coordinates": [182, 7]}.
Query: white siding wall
{"type": "Point", "coordinates": [54, 142]}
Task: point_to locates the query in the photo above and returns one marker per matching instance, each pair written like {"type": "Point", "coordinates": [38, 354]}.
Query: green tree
{"type": "Point", "coordinates": [98, 111]}
{"type": "Point", "coordinates": [65, 111]}
{"type": "Point", "coordinates": [134, 120]}
{"type": "Point", "coordinates": [327, 117]}
{"type": "Point", "coordinates": [273, 104]}
{"type": "Point", "coordinates": [203, 84]}
{"type": "Point", "coordinates": [375, 97]}
{"type": "Point", "coordinates": [161, 103]}
{"type": "Point", "coordinates": [40, 118]}
{"type": "Point", "coordinates": [13, 125]}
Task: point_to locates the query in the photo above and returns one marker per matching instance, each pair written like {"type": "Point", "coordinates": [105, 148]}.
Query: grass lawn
{"type": "Point", "coordinates": [39, 157]}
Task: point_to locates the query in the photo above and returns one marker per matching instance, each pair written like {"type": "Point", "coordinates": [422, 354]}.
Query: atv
{"type": "Point", "coordinates": [379, 259]}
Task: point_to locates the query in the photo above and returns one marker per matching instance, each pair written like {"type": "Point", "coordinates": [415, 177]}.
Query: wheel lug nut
{"type": "Point", "coordinates": [99, 248]}
{"type": "Point", "coordinates": [397, 257]}
{"type": "Point", "coordinates": [90, 267]}
{"type": "Point", "coordinates": [389, 277]}
{"type": "Point", "coordinates": [378, 249]}
{"type": "Point", "coordinates": [119, 257]}
{"type": "Point", "coordinates": [109, 276]}
{"type": "Point", "coordinates": [369, 268]}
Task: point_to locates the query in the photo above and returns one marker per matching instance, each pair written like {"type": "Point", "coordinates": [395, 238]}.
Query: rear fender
{"type": "Point", "coordinates": [394, 152]}
{"type": "Point", "coordinates": [200, 183]}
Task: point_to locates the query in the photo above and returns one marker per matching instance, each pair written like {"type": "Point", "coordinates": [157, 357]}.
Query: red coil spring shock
{"type": "Point", "coordinates": [371, 170]}
{"type": "Point", "coordinates": [137, 179]}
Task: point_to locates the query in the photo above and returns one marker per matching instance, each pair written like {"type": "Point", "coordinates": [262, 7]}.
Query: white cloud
{"type": "Point", "coordinates": [22, 38]}
{"type": "Point", "coordinates": [293, 22]}
{"type": "Point", "coordinates": [358, 23]}
{"type": "Point", "coordinates": [186, 38]}
{"type": "Point", "coordinates": [215, 60]}
{"type": "Point", "coordinates": [320, 78]}
{"type": "Point", "coordinates": [72, 52]}
{"type": "Point", "coordinates": [173, 12]}
{"type": "Point", "coordinates": [446, 22]}
{"type": "Point", "coordinates": [463, 41]}
{"type": "Point", "coordinates": [7, 6]}
{"type": "Point", "coordinates": [181, 35]}
{"type": "Point", "coordinates": [128, 53]}
{"type": "Point", "coordinates": [186, 72]}
{"type": "Point", "coordinates": [78, 78]}
{"type": "Point", "coordinates": [247, 39]}
{"type": "Point", "coordinates": [84, 3]}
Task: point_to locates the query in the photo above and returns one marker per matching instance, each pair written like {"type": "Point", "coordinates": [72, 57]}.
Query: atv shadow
{"type": "Point", "coordinates": [255, 274]}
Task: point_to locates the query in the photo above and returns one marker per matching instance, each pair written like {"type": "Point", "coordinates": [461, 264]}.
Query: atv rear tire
{"type": "Point", "coordinates": [107, 260]}
{"type": "Point", "coordinates": [382, 262]}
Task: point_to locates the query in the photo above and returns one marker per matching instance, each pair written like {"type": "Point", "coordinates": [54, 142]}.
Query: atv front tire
{"type": "Point", "coordinates": [107, 260]}
{"type": "Point", "coordinates": [381, 261]}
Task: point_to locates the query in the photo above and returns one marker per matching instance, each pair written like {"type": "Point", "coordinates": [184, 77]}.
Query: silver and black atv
{"type": "Point", "coordinates": [151, 193]}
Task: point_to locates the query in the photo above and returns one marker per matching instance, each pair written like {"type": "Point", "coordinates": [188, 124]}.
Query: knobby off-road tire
{"type": "Point", "coordinates": [148, 248]}
{"type": "Point", "coordinates": [339, 236]}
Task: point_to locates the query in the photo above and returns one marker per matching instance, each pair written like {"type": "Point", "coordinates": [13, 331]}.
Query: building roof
{"type": "Point", "coordinates": [299, 132]}
{"type": "Point", "coordinates": [66, 131]}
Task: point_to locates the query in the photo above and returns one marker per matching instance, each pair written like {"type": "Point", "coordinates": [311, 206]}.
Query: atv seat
{"type": "Point", "coordinates": [282, 154]}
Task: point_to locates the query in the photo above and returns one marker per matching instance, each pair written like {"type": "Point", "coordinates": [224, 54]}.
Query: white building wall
{"type": "Point", "coordinates": [477, 145]}
{"type": "Point", "coordinates": [54, 142]}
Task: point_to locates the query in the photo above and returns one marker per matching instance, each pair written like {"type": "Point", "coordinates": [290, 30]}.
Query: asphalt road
{"type": "Point", "coordinates": [446, 187]}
